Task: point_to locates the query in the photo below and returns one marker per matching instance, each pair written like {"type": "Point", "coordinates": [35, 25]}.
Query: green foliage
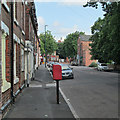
{"type": "Point", "coordinates": [42, 48]}
{"type": "Point", "coordinates": [60, 50]}
{"type": "Point", "coordinates": [106, 38]}
{"type": "Point", "coordinates": [93, 64]}
{"type": "Point", "coordinates": [70, 44]}
{"type": "Point", "coordinates": [49, 43]}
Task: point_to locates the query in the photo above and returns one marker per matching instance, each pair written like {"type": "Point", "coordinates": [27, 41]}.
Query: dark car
{"type": "Point", "coordinates": [74, 63]}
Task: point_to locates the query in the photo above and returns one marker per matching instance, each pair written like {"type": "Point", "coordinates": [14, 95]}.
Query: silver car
{"type": "Point", "coordinates": [102, 66]}
{"type": "Point", "coordinates": [67, 72]}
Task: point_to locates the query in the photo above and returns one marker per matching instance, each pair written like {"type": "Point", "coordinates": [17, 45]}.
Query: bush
{"type": "Point", "coordinates": [93, 64]}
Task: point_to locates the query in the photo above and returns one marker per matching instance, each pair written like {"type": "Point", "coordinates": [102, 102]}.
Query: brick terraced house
{"type": "Point", "coordinates": [31, 42]}
{"type": "Point", "coordinates": [19, 48]}
{"type": "Point", "coordinates": [83, 52]}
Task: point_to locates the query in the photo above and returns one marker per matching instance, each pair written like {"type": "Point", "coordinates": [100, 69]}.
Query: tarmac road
{"type": "Point", "coordinates": [92, 94]}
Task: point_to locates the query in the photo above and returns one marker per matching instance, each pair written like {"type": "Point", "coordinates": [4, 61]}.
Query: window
{"type": "Point", "coordinates": [15, 13]}
{"type": "Point", "coordinates": [22, 59]}
{"type": "Point", "coordinates": [5, 84]}
{"type": "Point", "coordinates": [14, 61]}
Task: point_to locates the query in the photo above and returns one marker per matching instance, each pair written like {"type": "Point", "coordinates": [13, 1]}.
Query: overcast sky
{"type": "Point", "coordinates": [63, 18]}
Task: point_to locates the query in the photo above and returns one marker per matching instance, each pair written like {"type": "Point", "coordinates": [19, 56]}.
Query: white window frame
{"type": "Point", "coordinates": [6, 6]}
{"type": "Point", "coordinates": [22, 60]}
{"type": "Point", "coordinates": [5, 84]}
{"type": "Point", "coordinates": [15, 20]}
{"type": "Point", "coordinates": [16, 79]}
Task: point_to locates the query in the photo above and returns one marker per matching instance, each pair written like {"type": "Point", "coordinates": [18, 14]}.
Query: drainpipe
{"type": "Point", "coordinates": [12, 55]}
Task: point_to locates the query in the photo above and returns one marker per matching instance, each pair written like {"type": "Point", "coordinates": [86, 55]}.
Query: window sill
{"type": "Point", "coordinates": [16, 80]}
{"type": "Point", "coordinates": [16, 22]}
{"type": "Point", "coordinates": [6, 7]}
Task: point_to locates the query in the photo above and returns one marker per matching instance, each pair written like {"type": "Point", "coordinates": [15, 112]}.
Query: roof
{"type": "Point", "coordinates": [85, 37]}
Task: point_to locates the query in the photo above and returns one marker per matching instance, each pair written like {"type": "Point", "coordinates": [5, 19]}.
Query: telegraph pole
{"type": "Point", "coordinates": [45, 47]}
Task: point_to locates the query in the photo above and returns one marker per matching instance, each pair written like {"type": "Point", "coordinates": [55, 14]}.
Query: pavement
{"type": "Point", "coordinates": [39, 100]}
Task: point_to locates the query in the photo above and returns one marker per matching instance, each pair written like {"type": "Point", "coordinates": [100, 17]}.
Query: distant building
{"type": "Point", "coordinates": [83, 52]}
{"type": "Point", "coordinates": [61, 40]}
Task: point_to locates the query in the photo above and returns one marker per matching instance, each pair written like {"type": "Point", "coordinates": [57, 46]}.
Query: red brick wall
{"type": "Point", "coordinates": [85, 52]}
{"type": "Point", "coordinates": [6, 19]}
{"type": "Point", "coordinates": [6, 96]}
{"type": "Point", "coordinates": [27, 23]}
{"type": "Point", "coordinates": [8, 57]}
{"type": "Point", "coordinates": [18, 31]}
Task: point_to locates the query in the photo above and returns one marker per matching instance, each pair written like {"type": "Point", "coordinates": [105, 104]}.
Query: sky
{"type": "Point", "coordinates": [64, 18]}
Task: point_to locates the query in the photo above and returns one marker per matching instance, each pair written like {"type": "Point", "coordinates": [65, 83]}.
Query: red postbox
{"type": "Point", "coordinates": [57, 72]}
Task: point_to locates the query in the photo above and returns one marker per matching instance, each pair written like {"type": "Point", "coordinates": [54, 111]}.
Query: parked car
{"type": "Point", "coordinates": [48, 64]}
{"type": "Point", "coordinates": [67, 72]}
{"type": "Point", "coordinates": [73, 63]}
{"type": "Point", "coordinates": [51, 66]}
{"type": "Point", "coordinates": [102, 66]}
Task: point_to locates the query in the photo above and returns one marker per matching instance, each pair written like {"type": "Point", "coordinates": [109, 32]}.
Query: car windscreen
{"type": "Point", "coordinates": [103, 64]}
{"type": "Point", "coordinates": [65, 68]}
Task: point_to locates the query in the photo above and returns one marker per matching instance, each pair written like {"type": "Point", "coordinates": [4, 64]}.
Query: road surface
{"type": "Point", "coordinates": [92, 93]}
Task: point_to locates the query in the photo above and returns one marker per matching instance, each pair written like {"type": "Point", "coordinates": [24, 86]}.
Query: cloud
{"type": "Point", "coordinates": [41, 24]}
{"type": "Point", "coordinates": [67, 2]}
{"type": "Point", "coordinates": [66, 30]}
{"type": "Point", "coordinates": [73, 2]}
{"type": "Point", "coordinates": [56, 23]}
{"type": "Point", "coordinates": [61, 31]}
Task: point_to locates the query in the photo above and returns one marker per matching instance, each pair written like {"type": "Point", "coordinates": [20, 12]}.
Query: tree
{"type": "Point", "coordinates": [50, 43]}
{"type": "Point", "coordinates": [70, 44]}
{"type": "Point", "coordinates": [105, 39]}
{"type": "Point", "coordinates": [60, 50]}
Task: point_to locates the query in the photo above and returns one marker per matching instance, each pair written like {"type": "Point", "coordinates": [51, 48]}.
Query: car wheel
{"type": "Point", "coordinates": [72, 77]}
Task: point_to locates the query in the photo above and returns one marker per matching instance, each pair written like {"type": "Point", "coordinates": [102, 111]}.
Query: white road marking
{"type": "Point", "coordinates": [69, 104]}
{"type": "Point", "coordinates": [35, 85]}
{"type": "Point", "coordinates": [51, 85]}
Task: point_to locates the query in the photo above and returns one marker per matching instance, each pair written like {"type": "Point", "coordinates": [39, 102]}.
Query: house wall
{"type": "Point", "coordinates": [19, 39]}
{"type": "Point", "coordinates": [5, 52]}
{"type": "Point", "coordinates": [84, 53]}
{"type": "Point", "coordinates": [25, 29]}
{"type": "Point", "coordinates": [31, 40]}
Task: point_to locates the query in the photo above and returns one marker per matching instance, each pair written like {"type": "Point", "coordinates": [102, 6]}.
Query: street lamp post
{"type": "Point", "coordinates": [45, 46]}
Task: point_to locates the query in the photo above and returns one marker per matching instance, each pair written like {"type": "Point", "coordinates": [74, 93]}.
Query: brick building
{"type": "Point", "coordinates": [32, 42]}
{"type": "Point", "coordinates": [12, 50]}
{"type": "Point", "coordinates": [83, 53]}
{"type": "Point", "coordinates": [15, 40]}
